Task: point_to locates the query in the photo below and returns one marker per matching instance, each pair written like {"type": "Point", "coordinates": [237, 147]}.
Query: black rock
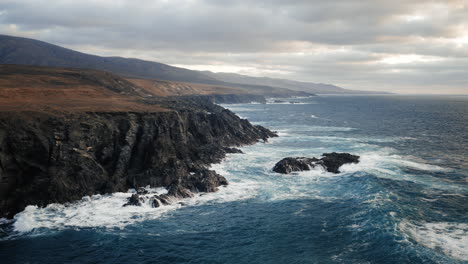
{"type": "Point", "coordinates": [141, 191]}
{"type": "Point", "coordinates": [288, 165]}
{"type": "Point", "coordinates": [205, 181]}
{"type": "Point", "coordinates": [134, 200]}
{"type": "Point", "coordinates": [159, 200]}
{"type": "Point", "coordinates": [164, 199]}
{"type": "Point", "coordinates": [333, 161]}
{"type": "Point", "coordinates": [330, 161]}
{"type": "Point", "coordinates": [233, 150]}
{"type": "Point", "coordinates": [178, 191]}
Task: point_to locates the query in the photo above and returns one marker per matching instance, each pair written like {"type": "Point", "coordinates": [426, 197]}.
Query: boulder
{"type": "Point", "coordinates": [333, 161]}
{"type": "Point", "coordinates": [134, 200]}
{"type": "Point", "coordinates": [178, 191]}
{"type": "Point", "coordinates": [288, 165]}
{"type": "Point", "coordinates": [330, 161]}
{"type": "Point", "coordinates": [159, 200]}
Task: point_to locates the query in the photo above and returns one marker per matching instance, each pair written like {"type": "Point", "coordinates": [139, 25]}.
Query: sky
{"type": "Point", "coordinates": [401, 46]}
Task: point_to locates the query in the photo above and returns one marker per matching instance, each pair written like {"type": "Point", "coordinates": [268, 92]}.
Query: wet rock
{"type": "Point", "coordinates": [141, 191]}
{"type": "Point", "coordinates": [288, 165]}
{"type": "Point", "coordinates": [330, 161]}
{"type": "Point", "coordinates": [233, 150]}
{"type": "Point", "coordinates": [178, 191]}
{"type": "Point", "coordinates": [159, 200]}
{"type": "Point", "coordinates": [333, 161]}
{"type": "Point", "coordinates": [134, 200]}
{"type": "Point", "coordinates": [205, 181]}
{"type": "Point", "coordinates": [164, 199]}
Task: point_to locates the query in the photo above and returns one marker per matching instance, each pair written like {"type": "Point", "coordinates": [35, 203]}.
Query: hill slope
{"type": "Point", "coordinates": [16, 50]}
{"type": "Point", "coordinates": [62, 90]}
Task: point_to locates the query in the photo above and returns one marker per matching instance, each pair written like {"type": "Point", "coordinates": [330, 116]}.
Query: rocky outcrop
{"type": "Point", "coordinates": [288, 165]}
{"type": "Point", "coordinates": [330, 161]}
{"type": "Point", "coordinates": [134, 200]}
{"type": "Point", "coordinates": [333, 161]}
{"type": "Point", "coordinates": [46, 158]}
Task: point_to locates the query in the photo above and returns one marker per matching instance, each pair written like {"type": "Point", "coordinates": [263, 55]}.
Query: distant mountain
{"type": "Point", "coordinates": [316, 88]}
{"type": "Point", "coordinates": [16, 50]}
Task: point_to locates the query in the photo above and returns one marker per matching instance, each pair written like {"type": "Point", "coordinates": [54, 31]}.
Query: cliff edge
{"type": "Point", "coordinates": [48, 156]}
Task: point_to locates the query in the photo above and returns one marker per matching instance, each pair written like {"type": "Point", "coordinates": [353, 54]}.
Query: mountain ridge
{"type": "Point", "coordinates": [20, 50]}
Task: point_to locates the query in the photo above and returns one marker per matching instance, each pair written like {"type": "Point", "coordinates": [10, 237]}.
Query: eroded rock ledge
{"type": "Point", "coordinates": [330, 161]}
{"type": "Point", "coordinates": [46, 158]}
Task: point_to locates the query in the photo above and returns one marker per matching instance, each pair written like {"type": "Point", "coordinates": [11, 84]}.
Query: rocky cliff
{"type": "Point", "coordinates": [46, 157]}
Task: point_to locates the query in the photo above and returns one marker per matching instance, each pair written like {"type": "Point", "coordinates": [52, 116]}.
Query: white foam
{"type": "Point", "coordinates": [449, 238]}
{"type": "Point", "coordinates": [305, 128]}
{"type": "Point", "coordinates": [90, 211]}
{"type": "Point", "coordinates": [405, 161]}
{"type": "Point", "coordinates": [4, 221]}
{"type": "Point", "coordinates": [379, 160]}
{"type": "Point", "coordinates": [107, 210]}
{"type": "Point", "coordinates": [289, 103]}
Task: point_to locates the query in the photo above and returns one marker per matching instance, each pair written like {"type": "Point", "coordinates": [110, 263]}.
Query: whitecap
{"type": "Point", "coordinates": [449, 238]}
{"type": "Point", "coordinates": [305, 128]}
{"type": "Point", "coordinates": [5, 221]}
{"type": "Point", "coordinates": [407, 162]}
{"type": "Point", "coordinates": [107, 211]}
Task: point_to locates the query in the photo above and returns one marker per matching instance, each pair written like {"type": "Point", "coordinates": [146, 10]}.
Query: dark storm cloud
{"type": "Point", "coordinates": [361, 44]}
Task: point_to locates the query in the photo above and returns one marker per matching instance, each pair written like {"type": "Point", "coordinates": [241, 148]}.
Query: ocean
{"type": "Point", "coordinates": [405, 202]}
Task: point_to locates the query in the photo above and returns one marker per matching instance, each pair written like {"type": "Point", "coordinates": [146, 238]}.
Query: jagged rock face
{"type": "Point", "coordinates": [330, 161]}
{"type": "Point", "coordinates": [201, 181]}
{"type": "Point", "coordinates": [46, 158]}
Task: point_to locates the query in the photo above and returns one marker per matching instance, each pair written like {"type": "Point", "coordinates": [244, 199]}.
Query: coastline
{"type": "Point", "coordinates": [59, 159]}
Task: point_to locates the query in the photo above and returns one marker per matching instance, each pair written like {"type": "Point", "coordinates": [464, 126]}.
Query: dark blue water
{"type": "Point", "coordinates": [406, 202]}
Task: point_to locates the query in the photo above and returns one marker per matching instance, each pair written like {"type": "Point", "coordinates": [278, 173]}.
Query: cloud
{"type": "Point", "coordinates": [349, 43]}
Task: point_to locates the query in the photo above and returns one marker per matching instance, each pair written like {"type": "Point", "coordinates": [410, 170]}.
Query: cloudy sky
{"type": "Point", "coordinates": [404, 46]}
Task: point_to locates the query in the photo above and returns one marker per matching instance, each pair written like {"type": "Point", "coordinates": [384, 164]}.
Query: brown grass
{"type": "Point", "coordinates": [168, 88]}
{"type": "Point", "coordinates": [30, 88]}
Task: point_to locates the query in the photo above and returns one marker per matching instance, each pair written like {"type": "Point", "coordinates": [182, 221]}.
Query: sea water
{"type": "Point", "coordinates": [405, 202]}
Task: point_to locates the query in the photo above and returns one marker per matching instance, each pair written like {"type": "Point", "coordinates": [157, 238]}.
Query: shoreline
{"type": "Point", "coordinates": [67, 158]}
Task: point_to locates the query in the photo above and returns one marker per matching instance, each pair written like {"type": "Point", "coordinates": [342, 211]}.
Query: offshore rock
{"type": "Point", "coordinates": [288, 165]}
{"type": "Point", "coordinates": [330, 161]}
{"type": "Point", "coordinates": [333, 161]}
